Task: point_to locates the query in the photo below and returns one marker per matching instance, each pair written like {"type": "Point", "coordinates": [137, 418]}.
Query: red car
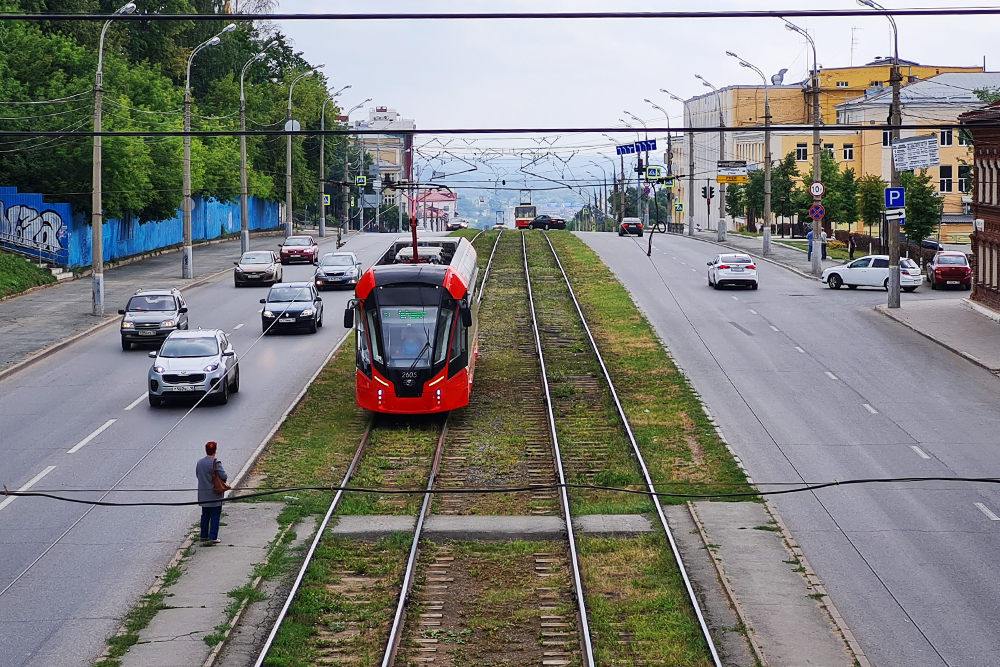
{"type": "Point", "coordinates": [949, 268]}
{"type": "Point", "coordinates": [299, 249]}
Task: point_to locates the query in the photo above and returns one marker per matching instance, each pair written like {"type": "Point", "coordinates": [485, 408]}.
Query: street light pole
{"type": "Point", "coordinates": [670, 162]}
{"type": "Point", "coordinates": [687, 121]}
{"type": "Point", "coordinates": [645, 211]}
{"type": "Point", "coordinates": [187, 252]}
{"type": "Point", "coordinates": [244, 194]}
{"type": "Point", "coordinates": [288, 150]}
{"type": "Point", "coordinates": [817, 261]}
{"type": "Point", "coordinates": [345, 190]}
{"type": "Point", "coordinates": [895, 79]}
{"type": "Point", "coordinates": [97, 194]}
{"type": "Point", "coordinates": [721, 227]}
{"type": "Point", "coordinates": [322, 161]}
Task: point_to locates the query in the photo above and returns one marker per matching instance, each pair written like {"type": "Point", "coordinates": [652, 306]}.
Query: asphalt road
{"type": "Point", "coordinates": [69, 572]}
{"type": "Point", "coordinates": [811, 384]}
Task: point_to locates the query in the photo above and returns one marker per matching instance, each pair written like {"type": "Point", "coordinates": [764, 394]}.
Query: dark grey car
{"type": "Point", "coordinates": [152, 315]}
{"type": "Point", "coordinates": [337, 269]}
{"type": "Point", "coordinates": [292, 306]}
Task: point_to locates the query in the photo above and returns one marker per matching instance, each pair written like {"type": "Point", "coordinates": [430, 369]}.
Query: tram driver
{"type": "Point", "coordinates": [409, 343]}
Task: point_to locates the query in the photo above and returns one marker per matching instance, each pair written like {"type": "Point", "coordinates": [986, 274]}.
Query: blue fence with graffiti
{"type": "Point", "coordinates": [32, 226]}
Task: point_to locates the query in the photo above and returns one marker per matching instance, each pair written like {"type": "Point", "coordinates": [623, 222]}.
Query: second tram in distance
{"type": "Point", "coordinates": [416, 327]}
{"type": "Point", "coordinates": [524, 214]}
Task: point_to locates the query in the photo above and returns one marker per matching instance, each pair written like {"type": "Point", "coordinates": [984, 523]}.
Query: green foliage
{"type": "Point", "coordinates": [923, 205]}
{"type": "Point", "coordinates": [988, 95]}
{"type": "Point", "coordinates": [871, 197]}
{"type": "Point", "coordinates": [840, 199]}
{"type": "Point", "coordinates": [18, 274]}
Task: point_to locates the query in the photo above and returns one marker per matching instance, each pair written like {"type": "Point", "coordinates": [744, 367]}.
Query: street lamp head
{"type": "Point", "coordinates": [271, 45]}
{"type": "Point", "coordinates": [127, 9]}
{"type": "Point", "coordinates": [212, 42]}
{"type": "Point", "coordinates": [867, 3]}
{"type": "Point", "coordinates": [228, 28]}
{"type": "Point", "coordinates": [731, 54]}
{"type": "Point", "coordinates": [744, 63]}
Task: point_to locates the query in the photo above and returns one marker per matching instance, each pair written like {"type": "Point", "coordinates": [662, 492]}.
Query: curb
{"type": "Point", "coordinates": [753, 254]}
{"type": "Point", "coordinates": [66, 342]}
{"type": "Point", "coordinates": [884, 310]}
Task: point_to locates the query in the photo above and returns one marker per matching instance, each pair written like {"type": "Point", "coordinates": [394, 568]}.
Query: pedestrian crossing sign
{"type": "Point", "coordinates": [326, 200]}
{"type": "Point", "coordinates": [679, 207]}
{"type": "Point", "coordinates": [361, 181]}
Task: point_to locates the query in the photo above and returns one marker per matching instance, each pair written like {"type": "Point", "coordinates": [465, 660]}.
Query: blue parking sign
{"type": "Point", "coordinates": [895, 198]}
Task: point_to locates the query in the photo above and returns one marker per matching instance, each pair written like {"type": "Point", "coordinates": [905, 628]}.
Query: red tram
{"type": "Point", "coordinates": [416, 327]}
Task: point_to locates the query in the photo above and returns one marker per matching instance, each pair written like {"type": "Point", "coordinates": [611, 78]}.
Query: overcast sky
{"type": "Point", "coordinates": [562, 73]}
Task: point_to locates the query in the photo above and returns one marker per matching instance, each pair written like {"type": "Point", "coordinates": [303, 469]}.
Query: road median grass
{"type": "Point", "coordinates": [19, 275]}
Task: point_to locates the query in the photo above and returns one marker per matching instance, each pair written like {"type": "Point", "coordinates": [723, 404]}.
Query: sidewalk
{"type": "Point", "coordinates": [964, 327]}
{"type": "Point", "coordinates": [37, 320]}
{"type": "Point", "coordinates": [785, 255]}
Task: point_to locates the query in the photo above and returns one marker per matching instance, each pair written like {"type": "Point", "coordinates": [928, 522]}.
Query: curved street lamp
{"type": "Point", "coordinates": [686, 120]}
{"type": "Point", "coordinates": [288, 149]}
{"type": "Point", "coordinates": [244, 194]}
{"type": "Point", "coordinates": [721, 229]}
{"type": "Point", "coordinates": [97, 195]}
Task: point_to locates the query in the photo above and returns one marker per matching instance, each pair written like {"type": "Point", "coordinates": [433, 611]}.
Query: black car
{"type": "Point", "coordinates": [292, 306]}
{"type": "Point", "coordinates": [152, 315]}
{"type": "Point", "coordinates": [932, 244]}
{"type": "Point", "coordinates": [547, 222]}
{"type": "Point", "coordinates": [630, 226]}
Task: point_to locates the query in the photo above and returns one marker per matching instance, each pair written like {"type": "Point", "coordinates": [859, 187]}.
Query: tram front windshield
{"type": "Point", "coordinates": [408, 335]}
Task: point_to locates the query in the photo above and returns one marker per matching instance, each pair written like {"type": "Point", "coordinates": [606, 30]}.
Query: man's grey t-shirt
{"type": "Point", "coordinates": [207, 497]}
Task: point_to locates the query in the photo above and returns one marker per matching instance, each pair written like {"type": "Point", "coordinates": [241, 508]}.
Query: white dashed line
{"type": "Point", "coordinates": [870, 409]}
{"type": "Point", "coordinates": [684, 263]}
{"type": "Point", "coordinates": [137, 401]}
{"type": "Point", "coordinates": [736, 298]}
{"type": "Point", "coordinates": [238, 326]}
{"type": "Point", "coordinates": [799, 349]}
{"type": "Point", "coordinates": [31, 483]}
{"type": "Point", "coordinates": [987, 511]}
{"type": "Point", "coordinates": [773, 328]}
{"type": "Point", "coordinates": [672, 257]}
{"type": "Point", "coordinates": [78, 446]}
{"type": "Point", "coordinates": [830, 375]}
{"type": "Point", "coordinates": [695, 271]}
{"type": "Point", "coordinates": [753, 311]}
{"type": "Point", "coordinates": [919, 452]}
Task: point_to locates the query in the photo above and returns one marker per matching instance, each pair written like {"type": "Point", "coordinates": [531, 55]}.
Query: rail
{"type": "Point", "coordinates": [588, 648]}
{"type": "Point", "coordinates": [489, 264]}
{"type": "Point", "coordinates": [641, 461]}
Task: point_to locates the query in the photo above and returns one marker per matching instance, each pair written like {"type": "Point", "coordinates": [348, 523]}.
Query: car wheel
{"type": "Point", "coordinates": [754, 286]}
{"type": "Point", "coordinates": [154, 401]}
{"type": "Point", "coordinates": [235, 284]}
{"type": "Point", "coordinates": [223, 397]}
{"type": "Point", "coordinates": [933, 284]}
{"type": "Point", "coordinates": [126, 345]}
{"type": "Point", "coordinates": [236, 383]}
{"type": "Point", "coordinates": [885, 285]}
{"type": "Point", "coordinates": [284, 262]}
{"type": "Point", "coordinates": [319, 322]}
{"type": "Point", "coordinates": [909, 289]}
{"type": "Point", "coordinates": [834, 281]}
{"type": "Point", "coordinates": [968, 287]}
{"type": "Point", "coordinates": [313, 328]}
{"type": "Point", "coordinates": [715, 285]}
{"type": "Point", "coordinates": [545, 226]}
{"type": "Point", "coordinates": [263, 329]}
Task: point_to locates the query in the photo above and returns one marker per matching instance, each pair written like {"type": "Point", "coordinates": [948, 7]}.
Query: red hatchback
{"type": "Point", "coordinates": [299, 249]}
{"type": "Point", "coordinates": [949, 268]}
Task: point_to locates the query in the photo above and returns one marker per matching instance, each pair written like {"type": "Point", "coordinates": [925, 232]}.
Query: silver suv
{"type": "Point", "coordinates": [194, 363]}
{"type": "Point", "coordinates": [151, 315]}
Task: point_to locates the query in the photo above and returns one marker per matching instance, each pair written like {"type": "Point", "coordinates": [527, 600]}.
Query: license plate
{"type": "Point", "coordinates": [737, 269]}
{"type": "Point", "coordinates": [146, 333]}
{"type": "Point", "coordinates": [954, 282]}
{"type": "Point", "coordinates": [253, 275]}
{"type": "Point", "coordinates": [183, 388]}
{"type": "Point", "coordinates": [287, 319]}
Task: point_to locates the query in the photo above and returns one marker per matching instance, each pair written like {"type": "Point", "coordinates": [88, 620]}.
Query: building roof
{"type": "Point", "coordinates": [950, 88]}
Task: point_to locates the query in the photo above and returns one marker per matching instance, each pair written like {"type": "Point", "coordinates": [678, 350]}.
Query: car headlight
{"type": "Point", "coordinates": [210, 368]}
{"type": "Point", "coordinates": [239, 270]}
{"type": "Point", "coordinates": [268, 313]}
{"type": "Point", "coordinates": [351, 272]}
{"type": "Point", "coordinates": [158, 369]}
{"type": "Point", "coordinates": [269, 270]}
{"type": "Point", "coordinates": [307, 312]}
{"type": "Point", "coordinates": [168, 323]}
{"type": "Point", "coordinates": [127, 325]}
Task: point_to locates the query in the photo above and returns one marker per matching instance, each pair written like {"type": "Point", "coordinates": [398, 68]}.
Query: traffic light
{"type": "Point", "coordinates": [704, 192]}
{"type": "Point", "coordinates": [711, 192]}
{"type": "Point", "coordinates": [639, 167]}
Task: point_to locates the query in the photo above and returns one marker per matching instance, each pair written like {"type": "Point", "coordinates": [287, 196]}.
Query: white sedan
{"type": "Point", "coordinates": [873, 271]}
{"type": "Point", "coordinates": [732, 270]}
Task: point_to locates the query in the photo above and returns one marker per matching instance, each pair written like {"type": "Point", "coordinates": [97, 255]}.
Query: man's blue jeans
{"type": "Point", "coordinates": [809, 255]}
{"type": "Point", "coordinates": [210, 522]}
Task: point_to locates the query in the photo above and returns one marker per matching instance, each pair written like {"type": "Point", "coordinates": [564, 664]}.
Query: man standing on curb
{"type": "Point", "coordinates": [210, 501]}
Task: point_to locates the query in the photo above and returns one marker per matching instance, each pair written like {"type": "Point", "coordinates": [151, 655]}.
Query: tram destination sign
{"type": "Point", "coordinates": [916, 153]}
{"type": "Point", "coordinates": [732, 171]}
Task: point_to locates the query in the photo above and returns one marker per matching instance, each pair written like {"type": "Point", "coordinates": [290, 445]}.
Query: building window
{"type": "Point", "coordinates": [841, 84]}
{"type": "Point", "coordinates": [963, 138]}
{"type": "Point", "coordinates": [829, 149]}
{"type": "Point", "coordinates": [965, 178]}
{"type": "Point", "coordinates": [389, 200]}
{"type": "Point", "coordinates": [875, 84]}
{"type": "Point", "coordinates": [848, 152]}
{"type": "Point", "coordinates": [887, 137]}
{"type": "Point", "coordinates": [945, 176]}
{"type": "Point", "coordinates": [946, 137]}
{"type": "Point", "coordinates": [802, 152]}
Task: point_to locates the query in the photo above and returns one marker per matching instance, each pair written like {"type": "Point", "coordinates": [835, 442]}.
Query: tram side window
{"type": "Point", "coordinates": [459, 349]}
{"type": "Point", "coordinates": [362, 359]}
{"type": "Point", "coordinates": [443, 335]}
{"type": "Point", "coordinates": [372, 330]}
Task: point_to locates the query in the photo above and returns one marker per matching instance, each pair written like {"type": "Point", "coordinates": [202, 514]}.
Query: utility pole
{"type": "Point", "coordinates": [244, 194]}
{"type": "Point", "coordinates": [289, 125]}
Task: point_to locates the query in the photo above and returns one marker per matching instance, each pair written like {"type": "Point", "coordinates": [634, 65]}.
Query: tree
{"type": "Point", "coordinates": [783, 178]}
{"type": "Point", "coordinates": [736, 201]}
{"type": "Point", "coordinates": [871, 197]}
{"type": "Point", "coordinates": [923, 205]}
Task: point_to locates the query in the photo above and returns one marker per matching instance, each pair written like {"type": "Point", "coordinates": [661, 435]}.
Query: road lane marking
{"type": "Point", "coordinates": [78, 446]}
{"type": "Point", "coordinates": [919, 452]}
{"type": "Point", "coordinates": [753, 311]}
{"type": "Point", "coordinates": [142, 397]}
{"type": "Point", "coordinates": [31, 483]}
{"type": "Point", "coordinates": [870, 409]}
{"type": "Point", "coordinates": [830, 375]}
{"type": "Point", "coordinates": [672, 257]}
{"type": "Point", "coordinates": [800, 349]}
{"type": "Point", "coordinates": [773, 328]}
{"type": "Point", "coordinates": [684, 263]}
{"type": "Point", "coordinates": [736, 298]}
{"type": "Point", "coordinates": [238, 326]}
{"type": "Point", "coordinates": [986, 510]}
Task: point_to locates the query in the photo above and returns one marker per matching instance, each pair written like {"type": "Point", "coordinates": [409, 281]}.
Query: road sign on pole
{"type": "Point", "coordinates": [817, 189]}
{"type": "Point", "coordinates": [732, 171]}
{"type": "Point", "coordinates": [653, 173]}
{"type": "Point", "coordinates": [816, 211]}
{"type": "Point", "coordinates": [679, 207]}
{"type": "Point", "coordinates": [361, 181]}
{"type": "Point", "coordinates": [895, 197]}
{"type": "Point", "coordinates": [326, 200]}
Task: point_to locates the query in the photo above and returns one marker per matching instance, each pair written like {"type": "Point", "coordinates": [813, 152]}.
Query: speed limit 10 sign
{"type": "Point", "coordinates": [817, 189]}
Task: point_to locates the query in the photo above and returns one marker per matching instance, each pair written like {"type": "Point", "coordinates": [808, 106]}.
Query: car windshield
{"type": "Point", "coordinates": [256, 258]}
{"type": "Point", "coordinates": [159, 302]}
{"type": "Point", "coordinates": [298, 240]}
{"type": "Point", "coordinates": [338, 260]}
{"type": "Point", "coordinates": [408, 335]}
{"type": "Point", "coordinates": [954, 260]}
{"type": "Point", "coordinates": [290, 294]}
{"type": "Point", "coordinates": [183, 348]}
{"type": "Point", "coordinates": [736, 259]}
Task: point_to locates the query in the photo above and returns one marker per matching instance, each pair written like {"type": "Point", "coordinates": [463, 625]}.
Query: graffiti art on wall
{"type": "Point", "coordinates": [25, 226]}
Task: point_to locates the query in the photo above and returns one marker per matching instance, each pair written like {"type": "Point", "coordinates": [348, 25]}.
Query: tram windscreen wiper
{"type": "Point", "coordinates": [425, 348]}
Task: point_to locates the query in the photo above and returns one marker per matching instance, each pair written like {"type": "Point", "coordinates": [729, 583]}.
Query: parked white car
{"type": "Point", "coordinates": [732, 270]}
{"type": "Point", "coordinates": [873, 271]}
